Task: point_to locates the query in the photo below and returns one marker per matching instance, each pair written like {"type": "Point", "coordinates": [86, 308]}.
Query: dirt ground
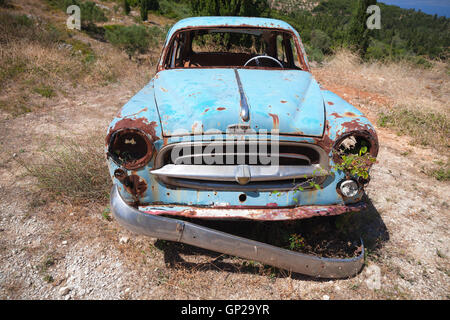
{"type": "Point", "coordinates": [54, 248]}
{"type": "Point", "coordinates": [89, 257]}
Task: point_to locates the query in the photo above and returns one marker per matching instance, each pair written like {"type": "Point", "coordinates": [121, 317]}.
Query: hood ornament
{"type": "Point", "coordinates": [245, 112]}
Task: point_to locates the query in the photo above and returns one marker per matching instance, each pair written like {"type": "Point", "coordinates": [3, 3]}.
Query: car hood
{"type": "Point", "coordinates": [209, 100]}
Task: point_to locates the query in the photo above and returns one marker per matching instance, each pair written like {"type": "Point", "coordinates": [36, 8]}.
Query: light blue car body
{"type": "Point", "coordinates": [186, 104]}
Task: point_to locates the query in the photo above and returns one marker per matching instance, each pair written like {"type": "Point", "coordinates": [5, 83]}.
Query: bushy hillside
{"type": "Point", "coordinates": [324, 25]}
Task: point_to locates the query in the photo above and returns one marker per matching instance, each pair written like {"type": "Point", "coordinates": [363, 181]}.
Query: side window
{"type": "Point", "coordinates": [281, 50]}
{"type": "Point", "coordinates": [177, 50]}
{"type": "Point", "coordinates": [295, 53]}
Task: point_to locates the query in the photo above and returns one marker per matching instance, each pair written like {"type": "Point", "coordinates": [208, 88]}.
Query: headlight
{"type": "Point", "coordinates": [349, 188]}
{"type": "Point", "coordinates": [130, 148]}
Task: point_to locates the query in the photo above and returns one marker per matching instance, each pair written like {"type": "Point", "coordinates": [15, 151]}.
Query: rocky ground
{"type": "Point", "coordinates": [60, 250]}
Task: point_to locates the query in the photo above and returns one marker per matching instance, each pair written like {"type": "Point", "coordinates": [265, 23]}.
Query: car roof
{"type": "Point", "coordinates": [197, 22]}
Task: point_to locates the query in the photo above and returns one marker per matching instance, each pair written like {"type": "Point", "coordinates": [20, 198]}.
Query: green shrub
{"type": "Point", "coordinates": [132, 39]}
{"type": "Point", "coordinates": [134, 3]}
{"type": "Point", "coordinates": [314, 54]}
{"type": "Point", "coordinates": [45, 91]}
{"type": "Point", "coordinates": [15, 27]}
{"type": "Point", "coordinates": [320, 40]}
{"type": "Point", "coordinates": [442, 174]}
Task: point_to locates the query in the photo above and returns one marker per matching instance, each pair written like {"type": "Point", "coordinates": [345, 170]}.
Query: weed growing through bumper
{"type": "Point", "coordinates": [356, 165]}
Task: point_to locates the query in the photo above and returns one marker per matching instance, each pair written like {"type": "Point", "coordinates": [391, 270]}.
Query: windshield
{"type": "Point", "coordinates": [231, 47]}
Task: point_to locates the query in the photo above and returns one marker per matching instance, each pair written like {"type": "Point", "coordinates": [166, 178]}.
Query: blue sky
{"type": "Point", "coordinates": [439, 7]}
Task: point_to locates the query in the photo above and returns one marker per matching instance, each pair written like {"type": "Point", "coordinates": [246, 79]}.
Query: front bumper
{"type": "Point", "coordinates": [269, 213]}
{"type": "Point", "coordinates": [196, 235]}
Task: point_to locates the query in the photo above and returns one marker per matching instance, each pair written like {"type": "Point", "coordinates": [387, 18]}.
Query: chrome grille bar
{"type": "Point", "coordinates": [229, 173]}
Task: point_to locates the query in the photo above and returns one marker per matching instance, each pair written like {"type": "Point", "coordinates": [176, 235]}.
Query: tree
{"type": "Point", "coordinates": [126, 7]}
{"type": "Point", "coordinates": [144, 10]}
{"type": "Point", "coordinates": [147, 5]}
{"type": "Point", "coordinates": [358, 34]}
{"type": "Point", "coordinates": [249, 8]}
{"type": "Point", "coordinates": [153, 5]}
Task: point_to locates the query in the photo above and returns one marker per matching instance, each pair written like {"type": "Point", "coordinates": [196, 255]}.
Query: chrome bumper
{"type": "Point", "coordinates": [199, 236]}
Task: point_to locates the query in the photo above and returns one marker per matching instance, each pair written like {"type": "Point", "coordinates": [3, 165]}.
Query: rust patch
{"type": "Point", "coordinates": [129, 141]}
{"type": "Point", "coordinates": [140, 127]}
{"type": "Point", "coordinates": [283, 101]}
{"type": "Point", "coordinates": [135, 185]}
{"type": "Point", "coordinates": [220, 109]}
{"type": "Point", "coordinates": [350, 114]}
{"type": "Point", "coordinates": [336, 115]}
{"type": "Point", "coordinates": [134, 114]}
{"type": "Point", "coordinates": [138, 123]}
{"type": "Point", "coordinates": [268, 213]}
{"type": "Point", "coordinates": [363, 130]}
{"type": "Point", "coordinates": [330, 103]}
{"type": "Point", "coordinates": [163, 89]}
{"type": "Point", "coordinates": [196, 129]}
{"type": "Point", "coordinates": [326, 142]}
{"type": "Point", "coordinates": [276, 121]}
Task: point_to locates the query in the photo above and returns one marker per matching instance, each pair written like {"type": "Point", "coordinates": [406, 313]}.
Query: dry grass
{"type": "Point", "coordinates": [407, 98]}
{"type": "Point", "coordinates": [75, 169]}
{"type": "Point", "coordinates": [40, 61]}
{"type": "Point", "coordinates": [428, 128]}
{"type": "Point", "coordinates": [401, 82]}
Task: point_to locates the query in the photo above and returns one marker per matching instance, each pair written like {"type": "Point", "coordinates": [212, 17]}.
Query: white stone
{"type": "Point", "coordinates": [64, 290]}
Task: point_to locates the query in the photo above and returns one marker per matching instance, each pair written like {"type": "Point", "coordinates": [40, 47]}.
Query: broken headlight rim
{"type": "Point", "coordinates": [130, 148]}
{"type": "Point", "coordinates": [361, 138]}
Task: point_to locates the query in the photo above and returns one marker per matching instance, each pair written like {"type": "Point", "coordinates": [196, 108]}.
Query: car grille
{"type": "Point", "coordinates": [189, 165]}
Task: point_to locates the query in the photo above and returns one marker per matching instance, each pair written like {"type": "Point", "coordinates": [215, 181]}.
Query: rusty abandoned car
{"type": "Point", "coordinates": [234, 126]}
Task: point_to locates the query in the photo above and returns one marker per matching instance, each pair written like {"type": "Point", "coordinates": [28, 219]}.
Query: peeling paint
{"type": "Point", "coordinates": [276, 121]}
{"type": "Point", "coordinates": [266, 214]}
